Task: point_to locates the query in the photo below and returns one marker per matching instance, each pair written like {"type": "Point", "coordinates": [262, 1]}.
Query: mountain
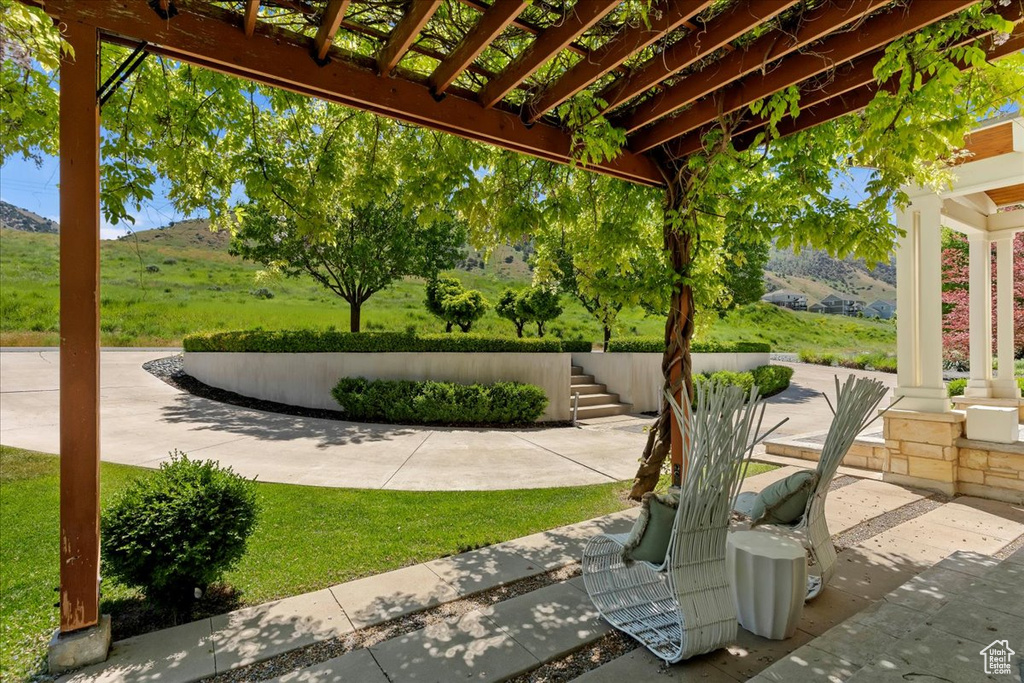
{"type": "Point", "coordinates": [816, 274]}
{"type": "Point", "coordinates": [193, 233]}
{"type": "Point", "coordinates": [16, 218]}
{"type": "Point", "coordinates": [810, 272]}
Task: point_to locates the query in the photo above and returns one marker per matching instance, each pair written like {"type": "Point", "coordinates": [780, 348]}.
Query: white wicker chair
{"type": "Point", "coordinates": [684, 607]}
{"type": "Point", "coordinates": [856, 400]}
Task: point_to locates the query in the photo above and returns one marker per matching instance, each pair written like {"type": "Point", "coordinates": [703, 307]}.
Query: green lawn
{"type": "Point", "coordinates": [198, 288]}
{"type": "Point", "coordinates": [308, 538]}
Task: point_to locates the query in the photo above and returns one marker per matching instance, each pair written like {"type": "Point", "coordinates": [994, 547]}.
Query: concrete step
{"type": "Point", "coordinates": [603, 410]}
{"type": "Point", "coordinates": [595, 399]}
{"type": "Point", "coordinates": [577, 369]}
{"type": "Point", "coordinates": [583, 389]}
{"type": "Point", "coordinates": [581, 379]}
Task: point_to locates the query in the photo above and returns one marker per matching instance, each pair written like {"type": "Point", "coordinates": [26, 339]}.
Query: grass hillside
{"type": "Point", "coordinates": [817, 275]}
{"type": "Point", "coordinates": [160, 285]}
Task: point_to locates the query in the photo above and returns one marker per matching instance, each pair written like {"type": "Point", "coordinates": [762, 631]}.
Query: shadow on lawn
{"type": "Point", "coordinates": [205, 414]}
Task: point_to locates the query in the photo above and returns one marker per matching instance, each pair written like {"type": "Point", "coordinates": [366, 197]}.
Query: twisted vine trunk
{"type": "Point", "coordinates": [676, 365]}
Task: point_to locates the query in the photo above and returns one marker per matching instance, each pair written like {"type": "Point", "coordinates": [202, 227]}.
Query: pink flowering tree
{"type": "Point", "coordinates": [956, 304]}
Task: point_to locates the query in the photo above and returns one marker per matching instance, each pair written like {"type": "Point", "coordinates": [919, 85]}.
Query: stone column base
{"type": "Point", "coordinates": [74, 650]}
{"type": "Point", "coordinates": [922, 450]}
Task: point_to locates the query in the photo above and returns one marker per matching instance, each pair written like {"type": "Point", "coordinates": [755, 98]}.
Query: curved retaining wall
{"type": "Point", "coordinates": [306, 379]}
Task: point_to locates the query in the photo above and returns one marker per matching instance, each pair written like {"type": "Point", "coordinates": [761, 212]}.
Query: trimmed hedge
{"type": "Point", "coordinates": [956, 387]}
{"type": "Point", "coordinates": [770, 379]}
{"type": "Point", "coordinates": [327, 341]}
{"type": "Point", "coordinates": [657, 345]}
{"type": "Point", "coordinates": [429, 402]}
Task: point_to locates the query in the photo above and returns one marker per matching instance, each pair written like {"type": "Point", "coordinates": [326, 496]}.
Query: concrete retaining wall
{"type": "Point", "coordinates": [306, 379]}
{"type": "Point", "coordinates": [636, 377]}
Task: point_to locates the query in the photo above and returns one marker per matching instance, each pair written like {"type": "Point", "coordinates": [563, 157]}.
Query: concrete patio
{"type": "Point", "coordinates": [897, 592]}
{"type": "Point", "coordinates": [142, 418]}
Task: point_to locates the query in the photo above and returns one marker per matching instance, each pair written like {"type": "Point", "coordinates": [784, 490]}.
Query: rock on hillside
{"type": "Point", "coordinates": [16, 218]}
{"type": "Point", "coordinates": [816, 274]}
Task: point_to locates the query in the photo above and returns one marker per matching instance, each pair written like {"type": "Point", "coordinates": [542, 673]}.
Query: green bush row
{"type": "Point", "coordinates": [770, 379]}
{"type": "Point", "coordinates": [657, 345]}
{"type": "Point", "coordinates": [429, 402]}
{"type": "Point", "coordinates": [882, 362]}
{"type": "Point", "coordinates": [956, 387]}
{"type": "Point", "coordinates": [324, 341]}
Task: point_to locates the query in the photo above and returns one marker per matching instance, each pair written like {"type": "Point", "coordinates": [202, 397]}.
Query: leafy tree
{"type": "Point", "coordinates": [744, 270]}
{"type": "Point", "coordinates": [449, 301]}
{"type": "Point", "coordinates": [509, 307]}
{"type": "Point", "coordinates": [540, 305]}
{"type": "Point", "coordinates": [355, 254]}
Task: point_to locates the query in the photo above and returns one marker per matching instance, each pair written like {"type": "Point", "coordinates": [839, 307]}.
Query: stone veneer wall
{"type": "Point", "coordinates": [991, 470]}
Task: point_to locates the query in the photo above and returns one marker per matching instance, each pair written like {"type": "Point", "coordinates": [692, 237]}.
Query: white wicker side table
{"type": "Point", "coordinates": [769, 582]}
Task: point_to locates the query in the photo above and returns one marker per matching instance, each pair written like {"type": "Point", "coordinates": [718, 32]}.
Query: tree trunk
{"type": "Point", "coordinates": [676, 363]}
{"type": "Point", "coordinates": [607, 337]}
{"type": "Point", "coordinates": [519, 330]}
{"type": "Point", "coordinates": [448, 326]}
{"type": "Point", "coordinates": [355, 315]}
{"type": "Point", "coordinates": [540, 329]}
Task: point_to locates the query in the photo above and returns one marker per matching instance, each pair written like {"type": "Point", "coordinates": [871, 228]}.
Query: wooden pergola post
{"type": "Point", "coordinates": [79, 332]}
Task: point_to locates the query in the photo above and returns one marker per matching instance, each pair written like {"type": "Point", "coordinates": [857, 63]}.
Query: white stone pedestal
{"type": "Point", "coordinates": [769, 582]}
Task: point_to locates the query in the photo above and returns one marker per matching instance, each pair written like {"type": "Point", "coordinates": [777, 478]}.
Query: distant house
{"type": "Point", "coordinates": [880, 309]}
{"type": "Point", "coordinates": [837, 305]}
{"type": "Point", "coordinates": [791, 300]}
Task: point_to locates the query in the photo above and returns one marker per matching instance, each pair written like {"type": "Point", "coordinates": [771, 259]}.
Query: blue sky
{"type": "Point", "coordinates": [32, 187]}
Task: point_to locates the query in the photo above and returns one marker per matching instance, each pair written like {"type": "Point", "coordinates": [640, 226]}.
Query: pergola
{"type": "Point", "coordinates": [984, 202]}
{"type": "Point", "coordinates": [494, 71]}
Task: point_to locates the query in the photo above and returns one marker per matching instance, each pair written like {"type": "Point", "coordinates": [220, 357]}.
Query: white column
{"type": "Point", "coordinates": [1004, 386]}
{"type": "Point", "coordinates": [980, 287]}
{"type": "Point", "coordinates": [919, 308]}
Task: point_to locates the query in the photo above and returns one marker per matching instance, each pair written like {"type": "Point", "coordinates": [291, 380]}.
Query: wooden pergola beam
{"type": "Point", "coordinates": [330, 22]}
{"type": "Point", "coordinates": [856, 99]}
{"type": "Point", "coordinates": [874, 33]}
{"type": "Point", "coordinates": [404, 33]}
{"type": "Point", "coordinates": [252, 11]}
{"type": "Point", "coordinates": [766, 49]}
{"type": "Point", "coordinates": [281, 59]}
{"type": "Point", "coordinates": [619, 48]}
{"type": "Point", "coordinates": [851, 76]}
{"type": "Point", "coordinates": [493, 21]}
{"type": "Point", "coordinates": [547, 44]}
{"type": "Point", "coordinates": [80, 330]}
{"type": "Point", "coordinates": [686, 52]}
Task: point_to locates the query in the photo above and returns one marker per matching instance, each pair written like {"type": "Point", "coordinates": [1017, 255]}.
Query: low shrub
{"type": "Point", "coordinates": [178, 529]}
{"type": "Point", "coordinates": [152, 268]}
{"type": "Point", "coordinates": [882, 362]}
{"type": "Point", "coordinates": [770, 379]}
{"type": "Point", "coordinates": [657, 345]}
{"type": "Point", "coordinates": [956, 387]}
{"type": "Point", "coordinates": [325, 341]}
{"type": "Point", "coordinates": [261, 293]}
{"type": "Point", "coordinates": [429, 402]}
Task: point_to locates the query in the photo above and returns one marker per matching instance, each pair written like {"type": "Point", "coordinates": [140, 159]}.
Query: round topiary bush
{"type": "Point", "coordinates": [179, 529]}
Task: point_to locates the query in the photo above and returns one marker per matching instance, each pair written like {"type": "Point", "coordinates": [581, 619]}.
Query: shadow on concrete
{"type": "Point", "coordinates": [795, 394]}
{"type": "Point", "coordinates": [204, 414]}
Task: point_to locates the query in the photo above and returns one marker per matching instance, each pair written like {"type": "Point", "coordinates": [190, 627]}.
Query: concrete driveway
{"type": "Point", "coordinates": [142, 419]}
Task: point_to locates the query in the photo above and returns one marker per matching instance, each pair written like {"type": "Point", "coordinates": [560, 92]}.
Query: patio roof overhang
{"type": "Point", "coordinates": [496, 72]}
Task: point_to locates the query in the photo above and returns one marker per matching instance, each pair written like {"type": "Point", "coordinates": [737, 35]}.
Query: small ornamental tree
{"type": "Point", "coordinates": [355, 252]}
{"type": "Point", "coordinates": [956, 307]}
{"type": "Point", "coordinates": [540, 305]}
{"type": "Point", "coordinates": [510, 309]}
{"type": "Point", "coordinates": [178, 530]}
{"type": "Point", "coordinates": [448, 300]}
